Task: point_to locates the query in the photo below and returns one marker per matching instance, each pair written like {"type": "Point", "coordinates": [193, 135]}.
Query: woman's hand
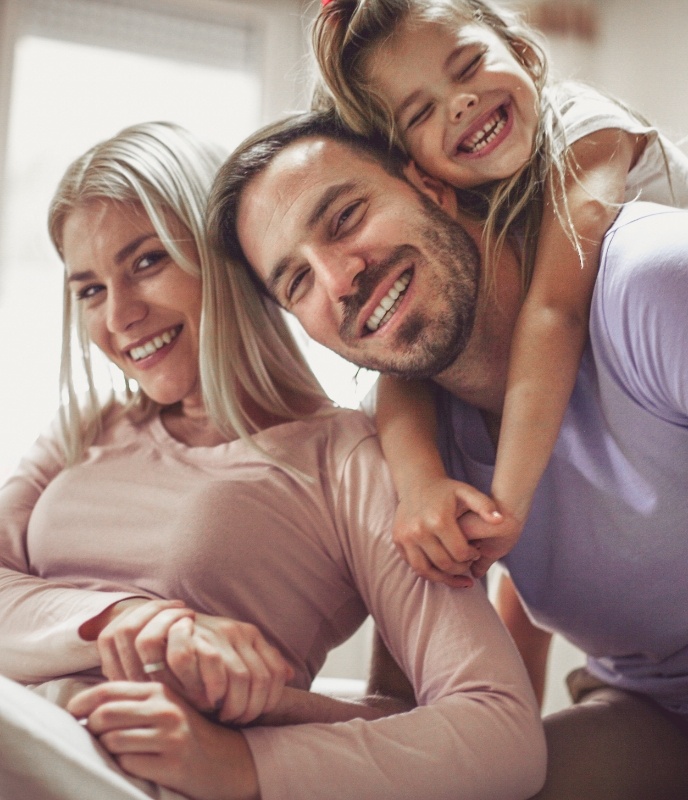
{"type": "Point", "coordinates": [428, 535]}
{"type": "Point", "coordinates": [219, 665]}
{"type": "Point", "coordinates": [155, 735]}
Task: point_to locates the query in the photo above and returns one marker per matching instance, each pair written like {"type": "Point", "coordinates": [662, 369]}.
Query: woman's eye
{"type": "Point", "coordinates": [419, 116]}
{"type": "Point", "coordinates": [150, 259]}
{"type": "Point", "coordinates": [88, 292]}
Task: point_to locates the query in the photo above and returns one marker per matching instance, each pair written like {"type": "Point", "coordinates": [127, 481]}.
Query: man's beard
{"type": "Point", "coordinates": [425, 345]}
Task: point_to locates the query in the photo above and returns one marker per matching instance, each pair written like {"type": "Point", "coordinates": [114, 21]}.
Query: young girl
{"type": "Point", "coordinates": [462, 87]}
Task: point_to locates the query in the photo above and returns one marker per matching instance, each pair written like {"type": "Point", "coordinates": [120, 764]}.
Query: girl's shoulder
{"type": "Point", "coordinates": [582, 110]}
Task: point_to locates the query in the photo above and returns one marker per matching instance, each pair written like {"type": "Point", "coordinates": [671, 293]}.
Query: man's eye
{"type": "Point", "coordinates": [294, 285]}
{"type": "Point", "coordinates": [348, 217]}
{"type": "Point", "coordinates": [420, 116]}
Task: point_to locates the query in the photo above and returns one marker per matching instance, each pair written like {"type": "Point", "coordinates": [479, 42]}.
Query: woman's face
{"type": "Point", "coordinates": [140, 308]}
{"type": "Point", "coordinates": [465, 108]}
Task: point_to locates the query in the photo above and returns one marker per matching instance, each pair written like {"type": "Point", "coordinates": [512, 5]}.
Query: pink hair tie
{"type": "Point", "coordinates": [326, 3]}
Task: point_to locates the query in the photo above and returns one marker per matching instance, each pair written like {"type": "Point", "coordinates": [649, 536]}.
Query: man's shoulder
{"type": "Point", "coordinates": [637, 317]}
{"type": "Point", "coordinates": [645, 239]}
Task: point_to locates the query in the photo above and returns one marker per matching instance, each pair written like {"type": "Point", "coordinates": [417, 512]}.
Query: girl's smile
{"type": "Point", "coordinates": [464, 106]}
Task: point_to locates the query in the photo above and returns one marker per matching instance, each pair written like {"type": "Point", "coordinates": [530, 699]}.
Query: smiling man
{"type": "Point", "coordinates": [379, 264]}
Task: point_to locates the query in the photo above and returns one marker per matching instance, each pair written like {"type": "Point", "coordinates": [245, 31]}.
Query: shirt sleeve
{"type": "Point", "coordinates": [643, 286]}
{"type": "Point", "coordinates": [39, 619]}
{"type": "Point", "coordinates": [476, 732]}
{"type": "Point", "coordinates": [584, 110]}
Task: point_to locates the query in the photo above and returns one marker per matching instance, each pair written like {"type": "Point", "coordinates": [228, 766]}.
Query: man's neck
{"type": "Point", "coordinates": [478, 376]}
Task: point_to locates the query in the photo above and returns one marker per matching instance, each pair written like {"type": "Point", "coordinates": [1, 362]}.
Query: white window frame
{"type": "Point", "coordinates": [283, 59]}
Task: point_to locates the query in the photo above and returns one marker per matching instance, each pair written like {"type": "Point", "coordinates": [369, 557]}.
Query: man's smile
{"type": "Point", "coordinates": [389, 303]}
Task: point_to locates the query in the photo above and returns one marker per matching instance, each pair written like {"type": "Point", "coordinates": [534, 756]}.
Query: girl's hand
{"type": "Point", "coordinates": [430, 539]}
{"type": "Point", "coordinates": [492, 541]}
{"type": "Point", "coordinates": [219, 665]}
{"type": "Point", "coordinates": [154, 735]}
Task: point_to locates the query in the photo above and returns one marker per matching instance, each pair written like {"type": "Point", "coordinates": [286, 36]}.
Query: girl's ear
{"type": "Point", "coordinates": [437, 190]}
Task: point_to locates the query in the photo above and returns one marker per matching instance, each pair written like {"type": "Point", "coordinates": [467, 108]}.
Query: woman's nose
{"type": "Point", "coordinates": [124, 309]}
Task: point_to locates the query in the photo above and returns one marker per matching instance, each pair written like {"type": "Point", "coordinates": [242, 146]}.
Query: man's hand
{"type": "Point", "coordinates": [219, 665]}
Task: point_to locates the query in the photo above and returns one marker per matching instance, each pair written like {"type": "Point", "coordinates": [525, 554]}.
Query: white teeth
{"type": "Point", "coordinates": [152, 346]}
{"type": "Point", "coordinates": [388, 304]}
{"type": "Point", "coordinates": [486, 134]}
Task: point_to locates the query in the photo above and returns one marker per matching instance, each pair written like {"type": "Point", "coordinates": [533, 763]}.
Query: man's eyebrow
{"type": "Point", "coordinates": [328, 197]}
{"type": "Point", "coordinates": [120, 256]}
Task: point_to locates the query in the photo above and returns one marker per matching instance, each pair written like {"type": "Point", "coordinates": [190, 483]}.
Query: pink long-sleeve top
{"type": "Point", "coordinates": [304, 558]}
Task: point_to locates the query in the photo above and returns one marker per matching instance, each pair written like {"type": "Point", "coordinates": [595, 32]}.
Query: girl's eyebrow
{"type": "Point", "coordinates": [417, 94]}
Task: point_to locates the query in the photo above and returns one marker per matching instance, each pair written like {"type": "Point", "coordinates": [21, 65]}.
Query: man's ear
{"type": "Point", "coordinates": [437, 190]}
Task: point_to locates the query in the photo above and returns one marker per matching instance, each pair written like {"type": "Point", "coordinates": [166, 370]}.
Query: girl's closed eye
{"type": "Point", "coordinates": [471, 68]}
{"type": "Point", "coordinates": [420, 116]}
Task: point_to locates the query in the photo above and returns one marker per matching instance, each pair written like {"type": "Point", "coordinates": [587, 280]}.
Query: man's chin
{"type": "Point", "coordinates": [422, 361]}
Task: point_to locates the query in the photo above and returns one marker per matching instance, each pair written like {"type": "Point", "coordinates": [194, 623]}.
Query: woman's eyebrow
{"type": "Point", "coordinates": [132, 247]}
{"type": "Point", "coordinates": [120, 256]}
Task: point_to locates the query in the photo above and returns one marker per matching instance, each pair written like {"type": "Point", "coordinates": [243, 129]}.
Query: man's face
{"type": "Point", "coordinates": [370, 265]}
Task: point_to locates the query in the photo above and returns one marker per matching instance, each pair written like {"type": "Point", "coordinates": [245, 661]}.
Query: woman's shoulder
{"type": "Point", "coordinates": [328, 438]}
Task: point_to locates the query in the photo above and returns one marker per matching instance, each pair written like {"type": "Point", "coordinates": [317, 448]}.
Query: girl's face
{"type": "Point", "coordinates": [140, 308]}
{"type": "Point", "coordinates": [465, 108]}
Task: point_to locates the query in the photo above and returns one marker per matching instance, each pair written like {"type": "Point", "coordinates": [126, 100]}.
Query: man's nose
{"type": "Point", "coordinates": [336, 271]}
{"type": "Point", "coordinates": [460, 103]}
{"type": "Point", "coordinates": [124, 308]}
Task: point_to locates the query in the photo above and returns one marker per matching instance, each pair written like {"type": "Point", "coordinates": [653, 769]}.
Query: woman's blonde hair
{"type": "Point", "coordinates": [346, 32]}
{"type": "Point", "coordinates": [247, 351]}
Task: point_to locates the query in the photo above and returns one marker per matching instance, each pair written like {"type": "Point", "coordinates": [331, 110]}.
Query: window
{"type": "Point", "coordinates": [82, 70]}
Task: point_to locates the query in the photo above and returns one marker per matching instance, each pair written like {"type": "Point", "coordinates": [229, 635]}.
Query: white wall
{"type": "Point", "coordinates": [639, 55]}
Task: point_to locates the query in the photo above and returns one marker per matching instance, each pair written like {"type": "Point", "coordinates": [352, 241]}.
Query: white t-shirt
{"type": "Point", "coordinates": [661, 173]}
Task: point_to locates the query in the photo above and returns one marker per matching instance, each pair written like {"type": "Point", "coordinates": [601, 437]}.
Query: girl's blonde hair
{"type": "Point", "coordinates": [345, 33]}
{"type": "Point", "coordinates": [247, 351]}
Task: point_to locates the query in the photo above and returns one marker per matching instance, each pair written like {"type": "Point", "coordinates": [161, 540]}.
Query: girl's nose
{"type": "Point", "coordinates": [460, 103]}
